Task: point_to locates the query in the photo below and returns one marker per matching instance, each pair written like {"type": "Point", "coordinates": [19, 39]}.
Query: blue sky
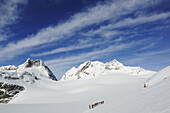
{"type": "Point", "coordinates": [65, 33]}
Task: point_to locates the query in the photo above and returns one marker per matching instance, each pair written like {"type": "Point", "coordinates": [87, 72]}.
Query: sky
{"type": "Point", "coordinates": [66, 33]}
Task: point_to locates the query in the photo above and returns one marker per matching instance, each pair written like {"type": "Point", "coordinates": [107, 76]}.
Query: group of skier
{"type": "Point", "coordinates": [91, 106]}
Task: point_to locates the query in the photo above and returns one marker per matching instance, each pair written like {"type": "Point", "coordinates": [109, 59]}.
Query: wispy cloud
{"type": "Point", "coordinates": [111, 48]}
{"type": "Point", "coordinates": [8, 15]}
{"type": "Point", "coordinates": [141, 19]}
{"type": "Point", "coordinates": [152, 53]}
{"type": "Point", "coordinates": [152, 60]}
{"type": "Point", "coordinates": [105, 31]}
{"type": "Point", "coordinates": [70, 48]}
{"type": "Point", "coordinates": [82, 45]}
{"type": "Point", "coordinates": [109, 11]}
{"type": "Point", "coordinates": [9, 11]}
{"type": "Point", "coordinates": [148, 46]}
{"type": "Point", "coordinates": [2, 37]}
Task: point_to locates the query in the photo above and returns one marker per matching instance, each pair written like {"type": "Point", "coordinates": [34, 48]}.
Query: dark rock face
{"type": "Point", "coordinates": [9, 91]}
{"type": "Point", "coordinates": [82, 69]}
{"type": "Point", "coordinates": [11, 78]}
{"type": "Point", "coordinates": [36, 63]}
{"type": "Point", "coordinates": [51, 75]}
{"type": "Point", "coordinates": [30, 63]}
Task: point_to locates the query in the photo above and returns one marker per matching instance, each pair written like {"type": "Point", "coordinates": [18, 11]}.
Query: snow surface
{"type": "Point", "coordinates": [121, 92]}
{"type": "Point", "coordinates": [158, 77]}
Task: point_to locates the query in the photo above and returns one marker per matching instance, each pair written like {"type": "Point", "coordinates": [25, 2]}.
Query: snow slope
{"type": "Point", "coordinates": [158, 77]}
{"type": "Point", "coordinates": [121, 92]}
{"type": "Point", "coordinates": [92, 69]}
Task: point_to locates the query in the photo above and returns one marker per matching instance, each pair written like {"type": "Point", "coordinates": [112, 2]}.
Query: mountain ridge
{"type": "Point", "coordinates": [95, 68]}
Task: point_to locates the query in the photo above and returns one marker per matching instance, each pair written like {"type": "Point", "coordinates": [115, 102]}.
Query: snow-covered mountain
{"type": "Point", "coordinates": [30, 71]}
{"type": "Point", "coordinates": [91, 69]}
{"type": "Point", "coordinates": [15, 78]}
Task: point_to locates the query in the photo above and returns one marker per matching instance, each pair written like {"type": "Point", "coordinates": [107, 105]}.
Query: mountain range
{"type": "Point", "coordinates": [96, 68]}
{"type": "Point", "coordinates": [33, 88]}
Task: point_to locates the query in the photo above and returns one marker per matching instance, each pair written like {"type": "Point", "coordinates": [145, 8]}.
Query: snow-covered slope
{"type": "Point", "coordinates": [91, 69]}
{"type": "Point", "coordinates": [121, 93]}
{"type": "Point", "coordinates": [158, 77]}
{"type": "Point", "coordinates": [119, 90]}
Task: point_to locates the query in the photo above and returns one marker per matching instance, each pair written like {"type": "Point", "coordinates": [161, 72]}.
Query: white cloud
{"type": "Point", "coordinates": [83, 43]}
{"type": "Point", "coordinates": [153, 60]}
{"type": "Point", "coordinates": [152, 53]}
{"type": "Point", "coordinates": [2, 37]}
{"type": "Point", "coordinates": [111, 48]}
{"type": "Point", "coordinates": [9, 11]}
{"type": "Point", "coordinates": [148, 46]}
{"type": "Point", "coordinates": [69, 48]}
{"type": "Point", "coordinates": [8, 15]}
{"type": "Point", "coordinates": [140, 20]}
{"type": "Point", "coordinates": [128, 22]}
{"type": "Point", "coordinates": [95, 15]}
{"type": "Point", "coordinates": [103, 33]}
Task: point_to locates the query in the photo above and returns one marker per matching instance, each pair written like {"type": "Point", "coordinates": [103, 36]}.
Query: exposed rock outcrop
{"type": "Point", "coordinates": [9, 91]}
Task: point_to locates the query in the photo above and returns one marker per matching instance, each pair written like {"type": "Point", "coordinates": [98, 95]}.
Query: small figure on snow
{"type": "Point", "coordinates": [145, 85]}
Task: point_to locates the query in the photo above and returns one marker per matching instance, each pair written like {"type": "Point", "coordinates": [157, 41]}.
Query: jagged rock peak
{"type": "Point", "coordinates": [30, 69]}
{"type": "Point", "coordinates": [29, 63]}
{"type": "Point", "coordinates": [37, 63]}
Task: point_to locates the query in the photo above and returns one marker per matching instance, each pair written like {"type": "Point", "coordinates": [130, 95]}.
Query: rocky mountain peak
{"type": "Point", "coordinates": [114, 64]}
{"type": "Point", "coordinates": [29, 63]}
{"type": "Point", "coordinates": [36, 66]}
{"type": "Point", "coordinates": [29, 72]}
